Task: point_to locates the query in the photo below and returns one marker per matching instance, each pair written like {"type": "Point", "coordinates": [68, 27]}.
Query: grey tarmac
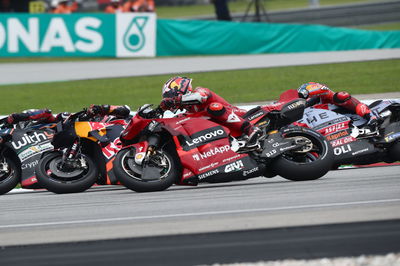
{"type": "Point", "coordinates": [342, 196]}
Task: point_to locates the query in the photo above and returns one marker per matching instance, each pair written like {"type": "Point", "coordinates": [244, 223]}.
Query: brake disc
{"type": "Point", "coordinates": [306, 144]}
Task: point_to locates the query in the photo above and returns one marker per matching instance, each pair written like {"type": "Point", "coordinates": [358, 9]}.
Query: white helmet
{"type": "Point", "coordinates": [54, 3]}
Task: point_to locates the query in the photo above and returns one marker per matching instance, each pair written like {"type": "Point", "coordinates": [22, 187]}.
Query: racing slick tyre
{"type": "Point", "coordinates": [394, 151]}
{"type": "Point", "coordinates": [54, 178]}
{"type": "Point", "coordinates": [10, 175]}
{"type": "Point", "coordinates": [269, 173]}
{"type": "Point", "coordinates": [156, 174]}
{"type": "Point", "coordinates": [312, 161]}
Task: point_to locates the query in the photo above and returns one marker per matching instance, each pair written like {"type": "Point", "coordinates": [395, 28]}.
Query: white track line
{"type": "Point", "coordinates": [133, 218]}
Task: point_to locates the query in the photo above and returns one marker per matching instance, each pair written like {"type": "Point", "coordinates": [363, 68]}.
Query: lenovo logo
{"type": "Point", "coordinates": [203, 137]}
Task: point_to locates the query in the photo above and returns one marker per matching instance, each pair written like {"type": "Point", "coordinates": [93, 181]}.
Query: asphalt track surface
{"type": "Point", "coordinates": [347, 212]}
{"type": "Point", "coordinates": [308, 242]}
{"type": "Point", "coordinates": [20, 73]}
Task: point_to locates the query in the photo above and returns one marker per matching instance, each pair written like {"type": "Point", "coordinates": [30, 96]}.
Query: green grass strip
{"type": "Point", "coordinates": [236, 86]}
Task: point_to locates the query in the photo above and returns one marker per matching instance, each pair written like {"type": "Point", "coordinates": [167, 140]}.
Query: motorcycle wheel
{"type": "Point", "coordinates": [394, 151]}
{"type": "Point", "coordinates": [310, 165]}
{"type": "Point", "coordinates": [51, 177]}
{"type": "Point", "coordinates": [129, 173]}
{"type": "Point", "coordinates": [269, 173]}
{"type": "Point", "coordinates": [10, 175]}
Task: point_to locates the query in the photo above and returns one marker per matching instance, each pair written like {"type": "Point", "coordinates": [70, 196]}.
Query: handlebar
{"type": "Point", "coordinates": [147, 112]}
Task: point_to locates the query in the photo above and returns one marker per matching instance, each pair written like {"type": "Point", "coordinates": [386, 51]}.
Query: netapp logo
{"type": "Point", "coordinates": [211, 152]}
{"type": "Point", "coordinates": [203, 137]}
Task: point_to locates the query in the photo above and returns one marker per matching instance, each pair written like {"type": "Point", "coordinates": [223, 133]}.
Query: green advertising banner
{"type": "Point", "coordinates": [121, 35]}
{"type": "Point", "coordinates": [134, 35]}
{"type": "Point", "coordinates": [178, 37]}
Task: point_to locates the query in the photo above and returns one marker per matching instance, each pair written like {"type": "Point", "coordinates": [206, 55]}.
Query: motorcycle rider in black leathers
{"type": "Point", "coordinates": [45, 116]}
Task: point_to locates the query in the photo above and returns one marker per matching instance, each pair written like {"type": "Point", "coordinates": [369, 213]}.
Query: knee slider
{"type": "Point", "coordinates": [216, 109]}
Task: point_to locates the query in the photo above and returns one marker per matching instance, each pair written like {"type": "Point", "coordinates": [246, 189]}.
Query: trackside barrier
{"type": "Point", "coordinates": [178, 37]}
{"type": "Point", "coordinates": [108, 35]}
{"type": "Point", "coordinates": [141, 34]}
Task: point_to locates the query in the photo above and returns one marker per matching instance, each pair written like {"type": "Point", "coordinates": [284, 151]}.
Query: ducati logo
{"type": "Point", "coordinates": [233, 118]}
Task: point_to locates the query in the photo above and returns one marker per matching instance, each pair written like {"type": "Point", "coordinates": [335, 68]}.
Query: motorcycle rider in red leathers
{"type": "Point", "coordinates": [177, 93]}
{"type": "Point", "coordinates": [46, 116]}
{"type": "Point", "coordinates": [320, 93]}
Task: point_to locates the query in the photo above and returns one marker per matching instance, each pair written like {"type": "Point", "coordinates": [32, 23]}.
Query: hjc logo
{"type": "Point", "coordinates": [236, 166]}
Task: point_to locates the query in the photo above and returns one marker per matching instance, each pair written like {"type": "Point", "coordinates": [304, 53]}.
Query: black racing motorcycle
{"type": "Point", "coordinates": [84, 149]}
{"type": "Point", "coordinates": [21, 147]}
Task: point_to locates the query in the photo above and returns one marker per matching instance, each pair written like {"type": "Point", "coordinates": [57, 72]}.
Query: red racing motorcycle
{"type": "Point", "coordinates": [186, 150]}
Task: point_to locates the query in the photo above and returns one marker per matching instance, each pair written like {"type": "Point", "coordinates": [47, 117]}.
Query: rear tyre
{"type": "Point", "coordinates": [58, 180]}
{"type": "Point", "coordinates": [394, 152]}
{"type": "Point", "coordinates": [10, 175]}
{"type": "Point", "coordinates": [309, 164]}
{"type": "Point", "coordinates": [269, 173]}
{"type": "Point", "coordinates": [129, 173]}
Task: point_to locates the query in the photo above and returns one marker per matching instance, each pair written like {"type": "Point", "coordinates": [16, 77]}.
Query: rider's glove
{"type": "Point", "coordinates": [372, 120]}
{"type": "Point", "coordinates": [171, 103]}
{"type": "Point", "coordinates": [95, 110]}
{"type": "Point", "coordinates": [15, 118]}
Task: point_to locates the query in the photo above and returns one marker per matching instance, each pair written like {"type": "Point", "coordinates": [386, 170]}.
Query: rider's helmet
{"type": "Point", "coordinates": [177, 86]}
{"type": "Point", "coordinates": [54, 3]}
{"type": "Point", "coordinates": [311, 89]}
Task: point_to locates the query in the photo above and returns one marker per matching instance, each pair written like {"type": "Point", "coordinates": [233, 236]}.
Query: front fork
{"type": "Point", "coordinates": [3, 163]}
{"type": "Point", "coordinates": [70, 157]}
{"type": "Point", "coordinates": [142, 158]}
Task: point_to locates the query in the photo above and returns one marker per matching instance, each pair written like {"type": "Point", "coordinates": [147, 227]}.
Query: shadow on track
{"type": "Point", "coordinates": [307, 242]}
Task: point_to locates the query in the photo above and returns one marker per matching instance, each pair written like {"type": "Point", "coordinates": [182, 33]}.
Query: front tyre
{"type": "Point", "coordinates": [311, 162]}
{"type": "Point", "coordinates": [162, 166]}
{"type": "Point", "coordinates": [54, 177]}
{"type": "Point", "coordinates": [10, 175]}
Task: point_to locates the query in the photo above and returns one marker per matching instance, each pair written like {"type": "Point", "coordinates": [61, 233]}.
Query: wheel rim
{"type": "Point", "coordinates": [55, 173]}
{"type": "Point", "coordinates": [6, 172]}
{"type": "Point", "coordinates": [134, 170]}
{"type": "Point", "coordinates": [311, 153]}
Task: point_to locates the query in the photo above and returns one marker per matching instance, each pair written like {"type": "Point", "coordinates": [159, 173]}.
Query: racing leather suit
{"type": "Point", "coordinates": [46, 116]}
{"type": "Point", "coordinates": [320, 93]}
{"type": "Point", "coordinates": [203, 100]}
